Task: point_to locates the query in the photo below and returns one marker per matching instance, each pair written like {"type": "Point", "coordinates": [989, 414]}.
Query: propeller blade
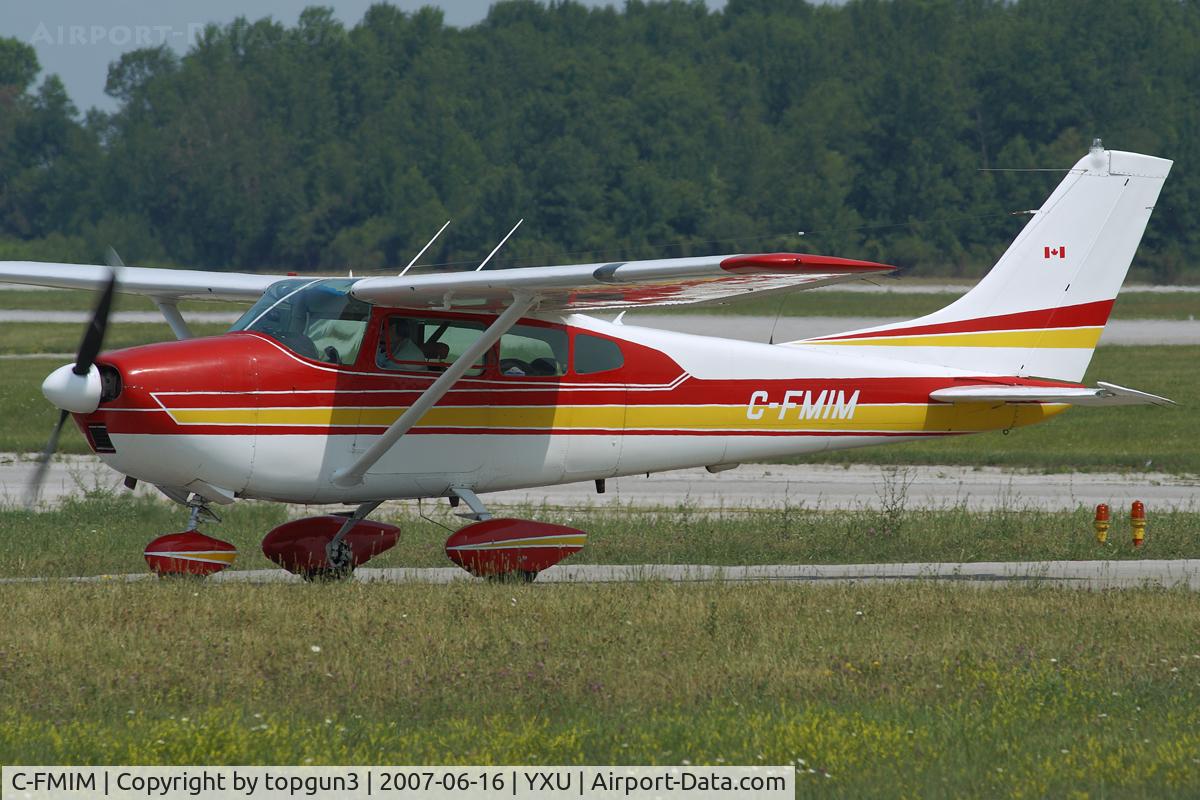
{"type": "Point", "coordinates": [34, 490]}
{"type": "Point", "coordinates": [93, 335]}
{"type": "Point", "coordinates": [89, 348]}
{"type": "Point", "coordinates": [112, 259]}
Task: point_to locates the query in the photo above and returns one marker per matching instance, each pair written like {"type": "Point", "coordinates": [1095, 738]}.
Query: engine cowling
{"type": "Point", "coordinates": [299, 546]}
{"type": "Point", "coordinates": [498, 547]}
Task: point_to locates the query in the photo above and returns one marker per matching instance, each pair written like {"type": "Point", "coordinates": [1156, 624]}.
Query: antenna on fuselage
{"type": "Point", "coordinates": [497, 247]}
{"type": "Point", "coordinates": [775, 324]}
{"type": "Point", "coordinates": [423, 249]}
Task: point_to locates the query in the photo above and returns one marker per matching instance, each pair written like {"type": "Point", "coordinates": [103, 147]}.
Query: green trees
{"type": "Point", "coordinates": [48, 161]}
{"type": "Point", "coordinates": [660, 129]}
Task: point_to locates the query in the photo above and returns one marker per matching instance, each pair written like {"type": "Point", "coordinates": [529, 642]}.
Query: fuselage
{"type": "Point", "coordinates": [247, 414]}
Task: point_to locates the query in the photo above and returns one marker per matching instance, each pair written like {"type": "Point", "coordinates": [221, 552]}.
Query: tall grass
{"type": "Point", "coordinates": [889, 691]}
{"type": "Point", "coordinates": [106, 534]}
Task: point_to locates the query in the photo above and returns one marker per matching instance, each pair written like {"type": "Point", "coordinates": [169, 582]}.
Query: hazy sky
{"type": "Point", "coordinates": [79, 38]}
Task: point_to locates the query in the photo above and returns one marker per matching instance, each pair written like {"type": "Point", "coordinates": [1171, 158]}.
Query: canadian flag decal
{"type": "Point", "coordinates": [1060, 251]}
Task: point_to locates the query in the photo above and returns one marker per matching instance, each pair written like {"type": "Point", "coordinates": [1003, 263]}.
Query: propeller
{"type": "Point", "coordinates": [76, 387]}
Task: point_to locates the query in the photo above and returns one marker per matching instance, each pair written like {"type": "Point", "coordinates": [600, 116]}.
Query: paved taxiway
{"type": "Point", "coordinates": [1183, 574]}
{"type": "Point", "coordinates": [752, 486]}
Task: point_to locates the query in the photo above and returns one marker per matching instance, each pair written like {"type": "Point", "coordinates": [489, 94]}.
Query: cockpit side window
{"type": "Point", "coordinates": [316, 319]}
{"type": "Point", "coordinates": [416, 344]}
{"type": "Point", "coordinates": [529, 350]}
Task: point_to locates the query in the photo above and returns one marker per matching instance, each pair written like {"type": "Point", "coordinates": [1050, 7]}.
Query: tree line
{"type": "Point", "coordinates": [900, 131]}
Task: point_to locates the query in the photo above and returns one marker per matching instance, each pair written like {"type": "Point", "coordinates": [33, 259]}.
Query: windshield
{"type": "Point", "coordinates": [316, 319]}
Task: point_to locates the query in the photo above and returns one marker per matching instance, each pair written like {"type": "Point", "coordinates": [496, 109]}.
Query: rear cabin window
{"type": "Point", "coordinates": [593, 354]}
{"type": "Point", "coordinates": [527, 350]}
{"type": "Point", "coordinates": [414, 344]}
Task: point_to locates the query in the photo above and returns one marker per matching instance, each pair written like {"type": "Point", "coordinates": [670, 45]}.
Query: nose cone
{"type": "Point", "coordinates": [79, 394]}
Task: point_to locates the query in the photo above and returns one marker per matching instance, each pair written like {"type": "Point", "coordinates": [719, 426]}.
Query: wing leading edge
{"type": "Point", "coordinates": [164, 284]}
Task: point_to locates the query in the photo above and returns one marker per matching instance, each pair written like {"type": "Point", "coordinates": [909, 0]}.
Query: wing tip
{"type": "Point", "coordinates": [802, 263]}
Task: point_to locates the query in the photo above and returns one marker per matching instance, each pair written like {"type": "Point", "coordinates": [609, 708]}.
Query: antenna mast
{"type": "Point", "coordinates": [497, 247]}
{"type": "Point", "coordinates": [423, 249]}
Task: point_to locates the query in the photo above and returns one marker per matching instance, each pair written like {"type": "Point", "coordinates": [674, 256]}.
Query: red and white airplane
{"type": "Point", "coordinates": [356, 391]}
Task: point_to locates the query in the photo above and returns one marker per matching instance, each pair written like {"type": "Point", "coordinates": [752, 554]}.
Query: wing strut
{"type": "Point", "coordinates": [353, 474]}
{"type": "Point", "coordinates": [170, 312]}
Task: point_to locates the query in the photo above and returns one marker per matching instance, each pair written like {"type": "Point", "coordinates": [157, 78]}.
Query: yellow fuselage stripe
{"type": "Point", "coordinates": [917, 418]}
{"type": "Point", "coordinates": [1067, 338]}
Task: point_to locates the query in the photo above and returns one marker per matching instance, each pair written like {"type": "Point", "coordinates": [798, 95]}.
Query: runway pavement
{"type": "Point", "coordinates": [1093, 575]}
{"type": "Point", "coordinates": [1072, 574]}
{"type": "Point", "coordinates": [750, 486]}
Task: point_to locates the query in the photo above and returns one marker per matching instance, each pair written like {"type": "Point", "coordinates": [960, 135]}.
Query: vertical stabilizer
{"type": "Point", "coordinates": [1040, 310]}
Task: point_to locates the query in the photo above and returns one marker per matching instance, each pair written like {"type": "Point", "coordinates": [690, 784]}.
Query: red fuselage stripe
{"type": "Point", "coordinates": [1080, 316]}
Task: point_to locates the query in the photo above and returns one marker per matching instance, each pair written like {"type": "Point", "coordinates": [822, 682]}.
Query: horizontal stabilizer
{"type": "Point", "coordinates": [1106, 394]}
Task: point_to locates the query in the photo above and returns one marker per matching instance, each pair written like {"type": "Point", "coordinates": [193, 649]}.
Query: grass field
{"type": "Point", "coordinates": [913, 690]}
{"type": "Point", "coordinates": [1128, 438]}
{"type": "Point", "coordinates": [105, 534]}
{"type": "Point", "coordinates": [1081, 439]}
{"type": "Point", "coordinates": [78, 300]}
{"type": "Point", "coordinates": [24, 338]}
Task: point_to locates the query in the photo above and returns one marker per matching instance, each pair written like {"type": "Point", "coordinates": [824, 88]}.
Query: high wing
{"type": "Point", "coordinates": [619, 284]}
{"type": "Point", "coordinates": [167, 285]}
{"type": "Point", "coordinates": [575, 287]}
{"type": "Point", "coordinates": [1105, 394]}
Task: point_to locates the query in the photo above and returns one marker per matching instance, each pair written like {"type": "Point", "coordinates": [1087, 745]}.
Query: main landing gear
{"type": "Point", "coordinates": [507, 549]}
{"type": "Point", "coordinates": [190, 552]}
{"type": "Point", "coordinates": [511, 549]}
{"type": "Point", "coordinates": [330, 547]}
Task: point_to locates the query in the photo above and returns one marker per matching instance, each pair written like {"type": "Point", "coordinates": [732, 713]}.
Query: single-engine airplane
{"type": "Point", "coordinates": [356, 391]}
